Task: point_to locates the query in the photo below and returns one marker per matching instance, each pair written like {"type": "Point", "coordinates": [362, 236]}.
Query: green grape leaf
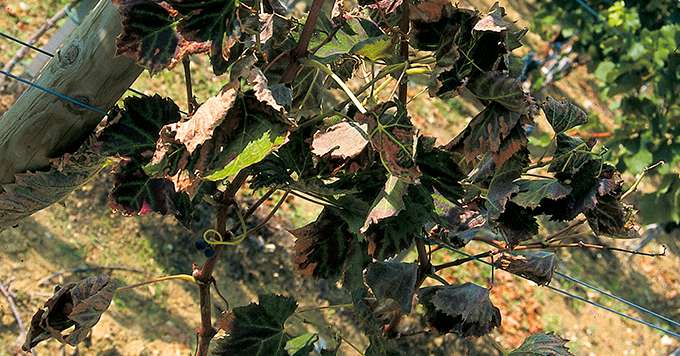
{"type": "Point", "coordinates": [254, 144]}
{"type": "Point", "coordinates": [572, 154]}
{"type": "Point", "coordinates": [257, 329]}
{"type": "Point", "coordinates": [395, 281]}
{"type": "Point", "coordinates": [533, 191]}
{"type": "Point", "coordinates": [536, 266]}
{"type": "Point", "coordinates": [302, 345]}
{"type": "Point", "coordinates": [499, 87]}
{"type": "Point", "coordinates": [462, 309]}
{"type": "Point", "coordinates": [563, 115]}
{"type": "Point", "coordinates": [148, 34]}
{"type": "Point", "coordinates": [389, 202]}
{"type": "Point", "coordinates": [374, 48]}
{"type": "Point", "coordinates": [342, 141]}
{"type": "Point", "coordinates": [135, 129]}
{"type": "Point", "coordinates": [321, 247]}
{"type": "Point", "coordinates": [34, 191]}
{"type": "Point", "coordinates": [79, 305]}
{"type": "Point", "coordinates": [542, 344]}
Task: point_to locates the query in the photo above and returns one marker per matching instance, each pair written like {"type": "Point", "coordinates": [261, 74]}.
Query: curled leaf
{"type": "Point", "coordinates": [499, 87]}
{"type": "Point", "coordinates": [462, 309]}
{"type": "Point", "coordinates": [389, 202]}
{"type": "Point", "coordinates": [536, 266]}
{"type": "Point", "coordinates": [78, 305]}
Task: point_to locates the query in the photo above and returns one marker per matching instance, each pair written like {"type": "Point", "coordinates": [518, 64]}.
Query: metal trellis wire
{"type": "Point", "coordinates": [586, 300]}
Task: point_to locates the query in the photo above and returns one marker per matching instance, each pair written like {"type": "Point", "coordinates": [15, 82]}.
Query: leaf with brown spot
{"type": "Point", "coordinates": [78, 305]}
{"type": "Point", "coordinates": [342, 141]}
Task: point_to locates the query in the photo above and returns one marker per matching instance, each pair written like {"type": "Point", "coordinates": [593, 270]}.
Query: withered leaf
{"type": "Point", "coordinates": [440, 170]}
{"type": "Point", "coordinates": [613, 218]}
{"type": "Point", "coordinates": [563, 115]}
{"type": "Point", "coordinates": [462, 309]}
{"type": "Point", "coordinates": [533, 191]}
{"type": "Point", "coordinates": [321, 247]}
{"type": "Point", "coordinates": [34, 191]}
{"type": "Point", "coordinates": [393, 280]}
{"type": "Point", "coordinates": [343, 140]}
{"type": "Point", "coordinates": [262, 92]}
{"type": "Point", "coordinates": [493, 21]}
{"type": "Point", "coordinates": [78, 305]}
{"type": "Point", "coordinates": [257, 329]}
{"type": "Point", "coordinates": [201, 126]}
{"type": "Point", "coordinates": [207, 20]}
{"type": "Point", "coordinates": [536, 266]}
{"type": "Point", "coordinates": [542, 344]}
{"type": "Point", "coordinates": [135, 193]}
{"type": "Point", "coordinates": [392, 235]}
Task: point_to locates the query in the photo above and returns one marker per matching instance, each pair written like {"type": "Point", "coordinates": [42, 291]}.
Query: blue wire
{"type": "Point", "coordinates": [55, 93]}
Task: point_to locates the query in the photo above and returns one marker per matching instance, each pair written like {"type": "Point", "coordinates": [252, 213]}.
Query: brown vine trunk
{"type": "Point", "coordinates": [41, 126]}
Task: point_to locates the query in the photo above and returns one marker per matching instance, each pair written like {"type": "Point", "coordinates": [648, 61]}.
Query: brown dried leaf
{"type": "Point", "coordinates": [259, 82]}
{"type": "Point", "coordinates": [342, 141]}
{"type": "Point", "coordinates": [78, 305]}
{"type": "Point", "coordinates": [493, 21]}
{"type": "Point", "coordinates": [536, 266]}
{"type": "Point", "coordinates": [200, 127]}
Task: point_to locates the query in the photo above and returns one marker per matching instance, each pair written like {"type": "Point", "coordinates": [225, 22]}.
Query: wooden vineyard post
{"type": "Point", "coordinates": [40, 126]}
